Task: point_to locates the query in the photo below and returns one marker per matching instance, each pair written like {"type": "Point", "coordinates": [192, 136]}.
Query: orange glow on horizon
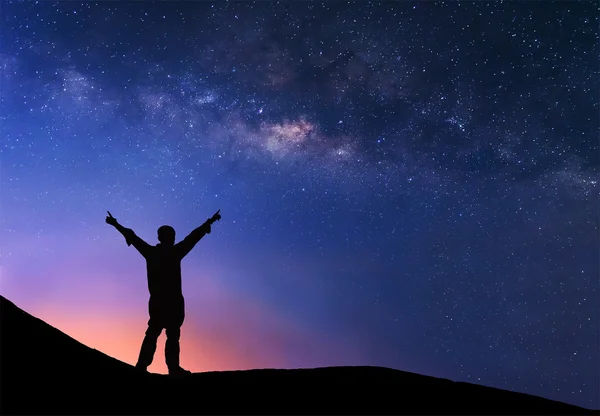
{"type": "Point", "coordinates": [223, 330]}
{"type": "Point", "coordinates": [121, 337]}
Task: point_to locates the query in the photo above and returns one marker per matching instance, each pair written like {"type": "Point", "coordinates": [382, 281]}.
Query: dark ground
{"type": "Point", "coordinates": [44, 371]}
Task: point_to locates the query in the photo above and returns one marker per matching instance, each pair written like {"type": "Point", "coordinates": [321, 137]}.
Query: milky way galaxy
{"type": "Point", "coordinates": [402, 184]}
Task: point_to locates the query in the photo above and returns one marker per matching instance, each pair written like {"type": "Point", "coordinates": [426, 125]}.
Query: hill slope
{"type": "Point", "coordinates": [44, 371]}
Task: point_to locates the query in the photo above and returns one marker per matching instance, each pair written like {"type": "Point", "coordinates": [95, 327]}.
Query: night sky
{"type": "Point", "coordinates": [410, 185]}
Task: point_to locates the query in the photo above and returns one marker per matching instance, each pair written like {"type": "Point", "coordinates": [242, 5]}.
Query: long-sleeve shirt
{"type": "Point", "coordinates": [163, 262]}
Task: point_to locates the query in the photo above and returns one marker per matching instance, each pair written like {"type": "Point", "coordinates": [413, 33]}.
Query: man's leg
{"type": "Point", "coordinates": [148, 346]}
{"type": "Point", "coordinates": [173, 329]}
{"type": "Point", "coordinates": [172, 348]}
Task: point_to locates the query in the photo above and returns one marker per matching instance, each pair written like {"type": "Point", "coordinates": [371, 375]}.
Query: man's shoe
{"type": "Point", "coordinates": [141, 368]}
{"type": "Point", "coordinates": [178, 371]}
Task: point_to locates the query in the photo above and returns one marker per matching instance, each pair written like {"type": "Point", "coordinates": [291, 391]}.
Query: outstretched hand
{"type": "Point", "coordinates": [216, 217]}
{"type": "Point", "coordinates": [209, 222]}
{"type": "Point", "coordinates": [110, 219]}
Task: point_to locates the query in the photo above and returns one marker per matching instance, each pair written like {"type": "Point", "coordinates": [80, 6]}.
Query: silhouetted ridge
{"type": "Point", "coordinates": [44, 371]}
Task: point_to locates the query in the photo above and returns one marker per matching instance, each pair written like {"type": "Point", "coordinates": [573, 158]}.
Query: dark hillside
{"type": "Point", "coordinates": [44, 371]}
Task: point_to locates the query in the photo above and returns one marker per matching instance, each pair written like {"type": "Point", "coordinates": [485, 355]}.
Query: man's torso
{"type": "Point", "coordinates": [163, 268]}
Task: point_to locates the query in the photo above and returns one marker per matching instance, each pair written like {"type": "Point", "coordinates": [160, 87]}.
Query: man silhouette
{"type": "Point", "coordinates": [166, 305]}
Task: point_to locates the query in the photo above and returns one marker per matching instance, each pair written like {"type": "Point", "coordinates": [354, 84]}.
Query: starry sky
{"type": "Point", "coordinates": [402, 184]}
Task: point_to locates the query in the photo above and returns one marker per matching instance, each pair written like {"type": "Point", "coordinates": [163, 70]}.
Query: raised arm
{"type": "Point", "coordinates": [130, 236]}
{"type": "Point", "coordinates": [187, 244]}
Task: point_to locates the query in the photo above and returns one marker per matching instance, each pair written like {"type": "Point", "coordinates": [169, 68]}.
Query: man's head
{"type": "Point", "coordinates": [166, 235]}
